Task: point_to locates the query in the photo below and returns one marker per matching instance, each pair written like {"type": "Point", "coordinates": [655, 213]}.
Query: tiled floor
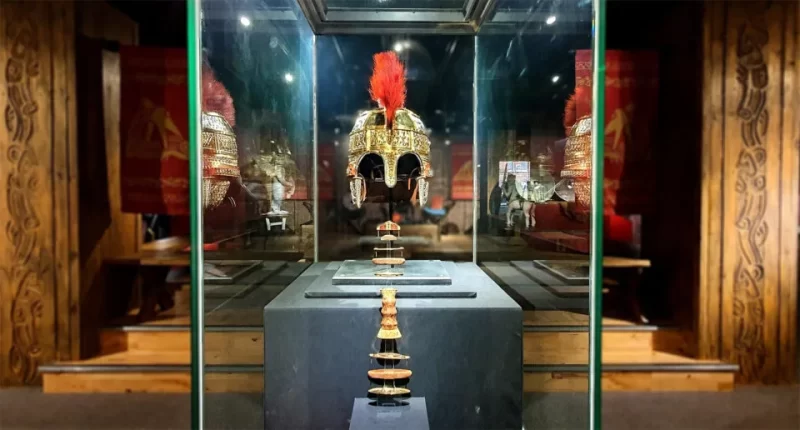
{"type": "Point", "coordinates": [762, 408]}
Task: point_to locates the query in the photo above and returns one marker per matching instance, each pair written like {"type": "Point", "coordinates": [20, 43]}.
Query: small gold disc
{"type": "Point", "coordinates": [389, 373]}
{"type": "Point", "coordinates": [389, 356]}
{"type": "Point", "coordinates": [389, 391]}
{"type": "Point", "coordinates": [388, 260]}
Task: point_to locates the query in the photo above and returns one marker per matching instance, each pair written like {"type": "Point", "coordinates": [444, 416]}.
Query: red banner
{"type": "Point", "coordinates": [630, 115]}
{"type": "Point", "coordinates": [461, 171]}
{"type": "Point", "coordinates": [154, 130]}
{"type": "Point", "coordinates": [300, 189]}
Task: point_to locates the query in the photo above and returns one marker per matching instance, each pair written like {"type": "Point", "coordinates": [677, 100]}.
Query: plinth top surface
{"type": "Point", "coordinates": [465, 277]}
{"type": "Point", "coordinates": [415, 272]}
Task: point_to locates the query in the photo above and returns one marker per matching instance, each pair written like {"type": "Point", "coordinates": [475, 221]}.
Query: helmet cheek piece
{"type": "Point", "coordinates": [358, 190]}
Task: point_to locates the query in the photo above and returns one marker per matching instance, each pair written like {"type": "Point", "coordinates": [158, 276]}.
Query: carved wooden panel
{"type": "Point", "coordinates": [51, 263]}
{"type": "Point", "coordinates": [748, 285]}
{"type": "Point", "coordinates": [34, 287]}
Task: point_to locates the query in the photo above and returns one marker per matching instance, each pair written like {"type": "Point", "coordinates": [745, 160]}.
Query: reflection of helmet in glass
{"type": "Point", "coordinates": [220, 158]}
{"type": "Point", "coordinates": [391, 138]}
{"type": "Point", "coordinates": [578, 159]}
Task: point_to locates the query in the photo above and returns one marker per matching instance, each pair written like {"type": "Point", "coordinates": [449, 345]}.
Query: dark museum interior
{"type": "Point", "coordinates": [383, 214]}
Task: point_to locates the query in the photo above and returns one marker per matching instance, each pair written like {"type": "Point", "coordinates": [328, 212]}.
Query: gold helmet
{"type": "Point", "coordinates": [391, 132]}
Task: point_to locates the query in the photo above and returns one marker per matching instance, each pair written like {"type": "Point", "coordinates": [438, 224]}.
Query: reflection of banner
{"type": "Point", "coordinates": [300, 188]}
{"type": "Point", "coordinates": [327, 154]}
{"type": "Point", "coordinates": [631, 102]}
{"type": "Point", "coordinates": [154, 130]}
{"type": "Point", "coordinates": [461, 168]}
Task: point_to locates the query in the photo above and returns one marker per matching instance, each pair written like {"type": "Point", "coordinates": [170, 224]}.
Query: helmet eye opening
{"type": "Point", "coordinates": [371, 167]}
{"type": "Point", "coordinates": [408, 167]}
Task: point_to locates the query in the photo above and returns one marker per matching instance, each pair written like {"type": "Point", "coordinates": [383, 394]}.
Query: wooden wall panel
{"type": "Point", "coordinates": [105, 231]}
{"type": "Point", "coordinates": [36, 286]}
{"type": "Point", "coordinates": [104, 22]}
{"type": "Point", "coordinates": [788, 364]}
{"type": "Point", "coordinates": [50, 260]}
{"type": "Point", "coordinates": [748, 280]}
{"type": "Point", "coordinates": [65, 182]}
{"type": "Point", "coordinates": [709, 307]}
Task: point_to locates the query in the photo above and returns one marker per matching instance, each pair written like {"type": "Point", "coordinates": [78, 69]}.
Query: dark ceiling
{"type": "Point", "coordinates": [161, 22]}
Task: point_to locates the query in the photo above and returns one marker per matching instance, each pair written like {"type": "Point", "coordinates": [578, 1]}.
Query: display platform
{"type": "Point", "coordinates": [244, 281]}
{"type": "Point", "coordinates": [568, 271]}
{"type": "Point", "coordinates": [222, 272]}
{"type": "Point", "coordinates": [403, 241]}
{"type": "Point", "coordinates": [412, 415]}
{"type": "Point", "coordinates": [466, 353]}
{"type": "Point", "coordinates": [415, 272]}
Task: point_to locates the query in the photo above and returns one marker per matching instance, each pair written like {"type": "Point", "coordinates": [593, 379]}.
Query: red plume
{"type": "Point", "coordinates": [216, 98]}
{"type": "Point", "coordinates": [387, 86]}
{"type": "Point", "coordinates": [570, 112]}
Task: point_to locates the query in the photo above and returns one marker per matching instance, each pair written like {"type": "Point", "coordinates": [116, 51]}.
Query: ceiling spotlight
{"type": "Point", "coordinates": [555, 78]}
{"type": "Point", "coordinates": [398, 47]}
{"type": "Point", "coordinates": [289, 78]}
{"type": "Point", "coordinates": [447, 142]}
{"type": "Point", "coordinates": [550, 20]}
{"type": "Point", "coordinates": [245, 21]}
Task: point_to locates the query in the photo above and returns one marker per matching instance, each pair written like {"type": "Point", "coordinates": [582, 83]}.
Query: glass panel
{"type": "Point", "coordinates": [258, 188]}
{"type": "Point", "coordinates": [399, 175]}
{"type": "Point", "coordinates": [439, 82]}
{"type": "Point", "coordinates": [534, 65]}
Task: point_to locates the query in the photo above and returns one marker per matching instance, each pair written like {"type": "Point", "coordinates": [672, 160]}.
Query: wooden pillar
{"type": "Point", "coordinates": [105, 231]}
{"type": "Point", "coordinates": [38, 246]}
{"type": "Point", "coordinates": [747, 307]}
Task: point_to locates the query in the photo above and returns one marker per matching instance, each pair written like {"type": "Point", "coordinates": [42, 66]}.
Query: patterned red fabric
{"type": "Point", "coordinates": [631, 90]}
{"type": "Point", "coordinates": [461, 171]}
{"type": "Point", "coordinates": [216, 97]}
{"type": "Point", "coordinates": [154, 130]}
{"type": "Point", "coordinates": [570, 113]}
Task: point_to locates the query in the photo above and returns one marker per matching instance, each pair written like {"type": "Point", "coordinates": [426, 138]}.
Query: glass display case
{"type": "Point", "coordinates": [394, 218]}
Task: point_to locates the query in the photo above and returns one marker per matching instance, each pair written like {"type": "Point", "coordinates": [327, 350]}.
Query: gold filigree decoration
{"type": "Point", "coordinates": [749, 346]}
{"type": "Point", "coordinates": [27, 273]}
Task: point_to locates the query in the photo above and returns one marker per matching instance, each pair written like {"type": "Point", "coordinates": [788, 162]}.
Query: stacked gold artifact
{"type": "Point", "coordinates": [391, 380]}
{"type": "Point", "coordinates": [389, 254]}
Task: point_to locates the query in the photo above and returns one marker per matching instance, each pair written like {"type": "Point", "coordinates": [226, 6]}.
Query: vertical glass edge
{"type": "Point", "coordinates": [596, 262]}
{"type": "Point", "coordinates": [475, 179]}
{"type": "Point", "coordinates": [195, 212]}
{"type": "Point", "coordinates": [315, 145]}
